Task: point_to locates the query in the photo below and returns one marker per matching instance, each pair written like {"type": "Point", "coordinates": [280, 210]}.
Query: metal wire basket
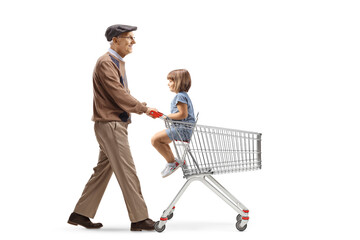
{"type": "Point", "coordinates": [210, 150]}
{"type": "Point", "coordinates": [217, 150]}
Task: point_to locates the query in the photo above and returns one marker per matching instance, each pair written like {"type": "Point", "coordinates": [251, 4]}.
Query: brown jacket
{"type": "Point", "coordinates": [112, 98]}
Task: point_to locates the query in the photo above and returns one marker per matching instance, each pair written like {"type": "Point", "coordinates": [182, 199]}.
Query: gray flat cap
{"type": "Point", "coordinates": [117, 29]}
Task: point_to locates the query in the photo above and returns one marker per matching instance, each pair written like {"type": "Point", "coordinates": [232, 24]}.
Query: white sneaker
{"type": "Point", "coordinates": [170, 168]}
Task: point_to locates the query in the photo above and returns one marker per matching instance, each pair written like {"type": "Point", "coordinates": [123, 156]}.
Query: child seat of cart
{"type": "Point", "coordinates": [182, 132]}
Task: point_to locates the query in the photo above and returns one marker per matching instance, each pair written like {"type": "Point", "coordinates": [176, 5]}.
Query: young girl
{"type": "Point", "coordinates": [181, 110]}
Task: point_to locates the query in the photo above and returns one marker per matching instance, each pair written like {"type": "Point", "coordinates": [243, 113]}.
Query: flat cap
{"type": "Point", "coordinates": [117, 29]}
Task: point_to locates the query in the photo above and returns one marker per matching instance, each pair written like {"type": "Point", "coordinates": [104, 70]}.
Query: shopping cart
{"type": "Point", "coordinates": [212, 150]}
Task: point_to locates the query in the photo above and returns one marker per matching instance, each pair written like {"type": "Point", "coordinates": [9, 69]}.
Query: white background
{"type": "Point", "coordinates": [287, 69]}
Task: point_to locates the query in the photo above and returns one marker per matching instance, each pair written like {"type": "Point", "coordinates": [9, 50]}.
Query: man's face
{"type": "Point", "coordinates": [124, 43]}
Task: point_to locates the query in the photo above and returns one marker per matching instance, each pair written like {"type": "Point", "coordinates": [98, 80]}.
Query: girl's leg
{"type": "Point", "coordinates": [161, 142]}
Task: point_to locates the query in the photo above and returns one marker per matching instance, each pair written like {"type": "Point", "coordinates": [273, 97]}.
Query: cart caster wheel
{"type": "Point", "coordinates": [240, 228]}
{"type": "Point", "coordinates": [159, 229]}
{"type": "Point", "coordinates": [238, 217]}
{"type": "Point", "coordinates": [170, 216]}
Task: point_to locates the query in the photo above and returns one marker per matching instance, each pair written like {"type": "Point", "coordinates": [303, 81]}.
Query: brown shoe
{"type": "Point", "coordinates": [77, 219]}
{"type": "Point", "coordinates": [146, 224]}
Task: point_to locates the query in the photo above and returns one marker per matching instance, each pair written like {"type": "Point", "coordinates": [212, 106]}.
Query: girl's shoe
{"type": "Point", "coordinates": [170, 168]}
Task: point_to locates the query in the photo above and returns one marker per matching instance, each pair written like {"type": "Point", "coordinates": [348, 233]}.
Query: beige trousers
{"type": "Point", "coordinates": [114, 156]}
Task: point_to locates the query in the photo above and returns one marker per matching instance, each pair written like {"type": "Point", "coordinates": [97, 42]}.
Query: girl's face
{"type": "Point", "coordinates": [171, 85]}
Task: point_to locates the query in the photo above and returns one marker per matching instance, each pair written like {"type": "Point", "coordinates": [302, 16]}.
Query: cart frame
{"type": "Point", "coordinates": [196, 169]}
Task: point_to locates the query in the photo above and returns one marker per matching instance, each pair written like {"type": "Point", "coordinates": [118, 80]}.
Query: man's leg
{"type": "Point", "coordinates": [113, 139]}
{"type": "Point", "coordinates": [95, 188]}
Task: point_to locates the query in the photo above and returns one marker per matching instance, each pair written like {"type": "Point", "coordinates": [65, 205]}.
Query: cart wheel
{"type": "Point", "coordinates": [240, 228]}
{"type": "Point", "coordinates": [170, 216]}
{"type": "Point", "coordinates": [159, 229]}
{"type": "Point", "coordinates": [238, 217]}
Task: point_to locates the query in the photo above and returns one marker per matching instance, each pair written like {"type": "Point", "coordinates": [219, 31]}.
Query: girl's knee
{"type": "Point", "coordinates": [154, 140]}
{"type": "Point", "coordinates": [160, 138]}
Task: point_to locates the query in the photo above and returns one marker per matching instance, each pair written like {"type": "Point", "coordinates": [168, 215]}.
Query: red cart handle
{"type": "Point", "coordinates": [156, 114]}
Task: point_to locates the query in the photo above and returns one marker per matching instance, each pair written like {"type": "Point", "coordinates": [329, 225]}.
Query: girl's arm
{"type": "Point", "coordinates": [182, 114]}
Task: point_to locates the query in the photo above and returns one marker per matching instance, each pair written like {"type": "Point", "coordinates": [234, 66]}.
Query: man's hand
{"type": "Point", "coordinates": [149, 110]}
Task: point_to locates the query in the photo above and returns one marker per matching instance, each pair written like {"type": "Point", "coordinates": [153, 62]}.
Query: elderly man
{"type": "Point", "coordinates": [112, 106]}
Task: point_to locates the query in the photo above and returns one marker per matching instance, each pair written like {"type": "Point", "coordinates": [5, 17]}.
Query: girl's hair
{"type": "Point", "coordinates": [181, 78]}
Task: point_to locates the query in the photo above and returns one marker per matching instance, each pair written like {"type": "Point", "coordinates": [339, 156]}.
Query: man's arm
{"type": "Point", "coordinates": [110, 81]}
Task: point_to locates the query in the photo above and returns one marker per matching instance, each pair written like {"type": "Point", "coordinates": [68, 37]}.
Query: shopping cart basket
{"type": "Point", "coordinates": [208, 151]}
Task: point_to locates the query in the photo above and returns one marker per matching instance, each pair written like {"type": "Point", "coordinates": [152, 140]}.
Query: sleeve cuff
{"type": "Point", "coordinates": [145, 109]}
